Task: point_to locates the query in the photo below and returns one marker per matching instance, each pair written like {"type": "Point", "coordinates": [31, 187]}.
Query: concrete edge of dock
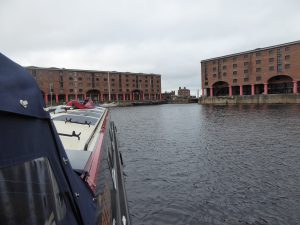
{"type": "Point", "coordinates": [251, 99]}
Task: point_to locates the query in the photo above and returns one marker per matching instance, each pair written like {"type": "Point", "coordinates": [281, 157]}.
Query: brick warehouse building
{"type": "Point", "coordinates": [62, 85]}
{"type": "Point", "coordinates": [184, 92]}
{"type": "Point", "coordinates": [270, 70]}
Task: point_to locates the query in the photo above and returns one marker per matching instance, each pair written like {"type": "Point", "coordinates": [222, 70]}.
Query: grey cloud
{"type": "Point", "coordinates": [168, 37]}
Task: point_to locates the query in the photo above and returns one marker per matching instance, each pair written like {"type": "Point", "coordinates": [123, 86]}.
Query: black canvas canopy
{"type": "Point", "coordinates": [37, 183]}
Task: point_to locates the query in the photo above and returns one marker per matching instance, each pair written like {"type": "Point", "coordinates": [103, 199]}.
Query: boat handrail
{"type": "Point", "coordinates": [86, 145]}
{"type": "Point", "coordinates": [70, 121]}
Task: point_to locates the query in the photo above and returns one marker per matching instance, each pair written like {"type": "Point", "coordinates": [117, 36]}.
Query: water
{"type": "Point", "coordinates": [193, 164]}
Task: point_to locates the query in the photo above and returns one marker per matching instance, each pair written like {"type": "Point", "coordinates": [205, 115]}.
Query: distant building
{"type": "Point", "coordinates": [270, 70]}
{"type": "Point", "coordinates": [168, 96]}
{"type": "Point", "coordinates": [183, 92]}
{"type": "Point", "coordinates": [63, 85]}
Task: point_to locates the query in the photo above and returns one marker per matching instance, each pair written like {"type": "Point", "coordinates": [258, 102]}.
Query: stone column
{"type": "Point", "coordinates": [124, 97]}
{"type": "Point", "coordinates": [211, 91]}
{"type": "Point", "coordinates": [149, 97]}
{"type": "Point", "coordinates": [266, 89]}
{"type": "Point", "coordinates": [230, 90]}
{"type": "Point", "coordinates": [295, 87]}
{"type": "Point", "coordinates": [252, 89]}
{"type": "Point", "coordinates": [241, 90]}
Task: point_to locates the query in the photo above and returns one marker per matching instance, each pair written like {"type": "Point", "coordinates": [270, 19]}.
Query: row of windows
{"type": "Point", "coordinates": [75, 75]}
{"type": "Point", "coordinates": [112, 90]}
{"type": "Point", "coordinates": [271, 60]}
{"type": "Point", "coordinates": [246, 71]}
{"type": "Point", "coordinates": [271, 68]}
{"type": "Point", "coordinates": [112, 80]}
{"type": "Point", "coordinates": [97, 84]}
{"type": "Point", "coordinates": [258, 78]}
{"type": "Point", "coordinates": [246, 79]}
{"type": "Point", "coordinates": [257, 54]}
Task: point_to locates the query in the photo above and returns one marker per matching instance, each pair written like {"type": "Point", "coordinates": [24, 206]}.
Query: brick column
{"type": "Point", "coordinates": [202, 91]}
{"type": "Point", "coordinates": [159, 97]}
{"type": "Point", "coordinates": [101, 97]}
{"type": "Point", "coordinates": [67, 98]}
{"type": "Point", "coordinates": [252, 89]}
{"type": "Point", "coordinates": [295, 87]}
{"type": "Point", "coordinates": [241, 90]}
{"type": "Point", "coordinates": [149, 97]}
{"type": "Point", "coordinates": [46, 98]}
{"type": "Point", "coordinates": [124, 97]}
{"type": "Point", "coordinates": [230, 90]}
{"type": "Point", "coordinates": [56, 99]}
{"type": "Point", "coordinates": [143, 96]}
{"type": "Point", "coordinates": [76, 97]}
{"type": "Point", "coordinates": [117, 97]}
{"type": "Point", "coordinates": [211, 91]}
{"type": "Point", "coordinates": [265, 89]}
{"type": "Point", "coordinates": [84, 96]}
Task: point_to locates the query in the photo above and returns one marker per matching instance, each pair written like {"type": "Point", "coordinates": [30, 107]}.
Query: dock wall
{"type": "Point", "coordinates": [251, 99]}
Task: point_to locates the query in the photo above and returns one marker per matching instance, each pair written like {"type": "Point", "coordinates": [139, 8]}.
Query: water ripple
{"type": "Point", "coordinates": [194, 165]}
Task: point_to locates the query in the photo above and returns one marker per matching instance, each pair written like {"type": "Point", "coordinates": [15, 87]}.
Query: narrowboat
{"type": "Point", "coordinates": [62, 167]}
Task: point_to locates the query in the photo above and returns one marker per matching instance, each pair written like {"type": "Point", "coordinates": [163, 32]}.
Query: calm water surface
{"type": "Point", "coordinates": [192, 164]}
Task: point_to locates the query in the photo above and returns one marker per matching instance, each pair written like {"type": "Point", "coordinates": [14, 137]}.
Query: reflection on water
{"type": "Point", "coordinates": [192, 164]}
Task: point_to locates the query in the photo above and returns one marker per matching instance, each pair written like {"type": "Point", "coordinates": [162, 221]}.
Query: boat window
{"type": "Point", "coordinates": [30, 195]}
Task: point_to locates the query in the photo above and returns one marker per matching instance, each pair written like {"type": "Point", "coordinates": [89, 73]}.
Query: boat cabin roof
{"type": "Point", "coordinates": [79, 131]}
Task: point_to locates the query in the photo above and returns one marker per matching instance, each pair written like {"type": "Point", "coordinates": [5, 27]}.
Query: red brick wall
{"type": "Point", "coordinates": [82, 81]}
{"type": "Point", "coordinates": [222, 69]}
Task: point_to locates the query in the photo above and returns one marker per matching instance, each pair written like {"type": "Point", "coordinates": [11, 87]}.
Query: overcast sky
{"type": "Point", "coordinates": [167, 37]}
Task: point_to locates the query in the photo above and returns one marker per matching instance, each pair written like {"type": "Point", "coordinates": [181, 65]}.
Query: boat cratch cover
{"type": "Point", "coordinates": [37, 183]}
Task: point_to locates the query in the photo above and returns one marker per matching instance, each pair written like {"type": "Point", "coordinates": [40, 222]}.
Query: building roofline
{"type": "Point", "coordinates": [251, 51]}
{"type": "Point", "coordinates": [89, 71]}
